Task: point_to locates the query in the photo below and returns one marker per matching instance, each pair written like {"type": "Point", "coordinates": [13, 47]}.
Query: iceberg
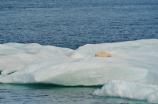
{"type": "Point", "coordinates": [134, 61]}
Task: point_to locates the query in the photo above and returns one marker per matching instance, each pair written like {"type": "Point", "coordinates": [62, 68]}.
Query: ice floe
{"type": "Point", "coordinates": [130, 90]}
{"type": "Point", "coordinates": [33, 63]}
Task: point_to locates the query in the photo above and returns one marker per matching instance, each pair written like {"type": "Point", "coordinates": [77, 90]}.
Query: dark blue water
{"type": "Point", "coordinates": [73, 23]}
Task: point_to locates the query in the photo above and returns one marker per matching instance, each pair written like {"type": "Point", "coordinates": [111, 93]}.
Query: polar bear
{"type": "Point", "coordinates": [102, 54]}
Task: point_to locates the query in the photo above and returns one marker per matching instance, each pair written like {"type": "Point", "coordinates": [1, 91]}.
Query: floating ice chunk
{"type": "Point", "coordinates": [34, 63]}
{"type": "Point", "coordinates": [130, 90]}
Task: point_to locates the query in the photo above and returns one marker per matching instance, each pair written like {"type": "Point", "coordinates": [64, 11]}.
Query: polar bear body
{"type": "Point", "coordinates": [102, 54]}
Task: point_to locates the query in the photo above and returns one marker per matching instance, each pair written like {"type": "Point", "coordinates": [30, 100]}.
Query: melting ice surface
{"type": "Point", "coordinates": [131, 62]}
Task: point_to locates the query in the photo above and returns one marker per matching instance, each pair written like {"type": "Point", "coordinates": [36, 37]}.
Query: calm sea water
{"type": "Point", "coordinates": [72, 23]}
{"type": "Point", "coordinates": [49, 94]}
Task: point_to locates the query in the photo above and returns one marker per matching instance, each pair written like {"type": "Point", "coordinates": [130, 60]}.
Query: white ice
{"type": "Point", "coordinates": [134, 61]}
{"type": "Point", "coordinates": [130, 90]}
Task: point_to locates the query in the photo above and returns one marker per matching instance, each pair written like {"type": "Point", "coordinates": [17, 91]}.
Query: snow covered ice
{"type": "Point", "coordinates": [132, 61]}
{"type": "Point", "coordinates": [33, 63]}
{"type": "Point", "coordinates": [131, 90]}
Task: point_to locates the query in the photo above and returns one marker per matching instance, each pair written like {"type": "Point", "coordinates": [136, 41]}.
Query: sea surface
{"type": "Point", "coordinates": [71, 24]}
{"type": "Point", "coordinates": [50, 94]}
